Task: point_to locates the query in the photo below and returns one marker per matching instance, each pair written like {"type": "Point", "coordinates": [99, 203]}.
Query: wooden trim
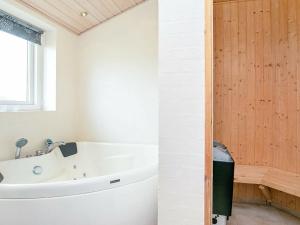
{"type": "Point", "coordinates": [224, 1]}
{"type": "Point", "coordinates": [218, 1]}
{"type": "Point", "coordinates": [208, 109]}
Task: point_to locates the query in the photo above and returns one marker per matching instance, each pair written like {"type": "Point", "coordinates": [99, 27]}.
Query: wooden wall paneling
{"type": "Point", "coordinates": [234, 78]}
{"type": "Point", "coordinates": [298, 90]}
{"type": "Point", "coordinates": [290, 202]}
{"type": "Point", "coordinates": [276, 52]}
{"type": "Point", "coordinates": [278, 198]}
{"type": "Point", "coordinates": [242, 85]}
{"type": "Point", "coordinates": [259, 84]}
{"type": "Point", "coordinates": [268, 72]}
{"type": "Point", "coordinates": [227, 1]}
{"type": "Point", "coordinates": [245, 192]}
{"type": "Point", "coordinates": [218, 71]}
{"type": "Point", "coordinates": [226, 79]}
{"type": "Point", "coordinates": [258, 117]}
{"type": "Point", "coordinates": [292, 86]}
{"type": "Point", "coordinates": [265, 67]}
{"type": "Point", "coordinates": [209, 49]}
{"type": "Point", "coordinates": [236, 192]}
{"type": "Point", "coordinates": [283, 86]}
{"type": "Point", "coordinates": [297, 204]}
{"type": "Point", "coordinates": [285, 201]}
{"type": "Point", "coordinates": [250, 76]}
{"type": "Point", "coordinates": [241, 197]}
{"type": "Point", "coordinates": [250, 192]}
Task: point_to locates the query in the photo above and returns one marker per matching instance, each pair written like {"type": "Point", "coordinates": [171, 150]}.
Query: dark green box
{"type": "Point", "coordinates": [223, 175]}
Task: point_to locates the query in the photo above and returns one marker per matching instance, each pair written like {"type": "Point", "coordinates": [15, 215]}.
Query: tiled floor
{"type": "Point", "coordinates": [246, 214]}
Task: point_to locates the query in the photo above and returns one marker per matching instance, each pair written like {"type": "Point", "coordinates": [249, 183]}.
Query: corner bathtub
{"type": "Point", "coordinates": [103, 184]}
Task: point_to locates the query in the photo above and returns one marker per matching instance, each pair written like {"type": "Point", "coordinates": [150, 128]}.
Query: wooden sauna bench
{"type": "Point", "coordinates": [267, 177]}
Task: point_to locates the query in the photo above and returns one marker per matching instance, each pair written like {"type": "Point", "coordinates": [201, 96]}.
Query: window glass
{"type": "Point", "coordinates": [14, 62]}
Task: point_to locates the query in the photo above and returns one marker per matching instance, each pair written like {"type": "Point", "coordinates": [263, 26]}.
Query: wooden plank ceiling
{"type": "Point", "coordinates": [67, 13]}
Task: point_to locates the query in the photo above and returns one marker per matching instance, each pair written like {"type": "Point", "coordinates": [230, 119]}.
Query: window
{"type": "Point", "coordinates": [20, 79]}
{"type": "Point", "coordinates": [16, 70]}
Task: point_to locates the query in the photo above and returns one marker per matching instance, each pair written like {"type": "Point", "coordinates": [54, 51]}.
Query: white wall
{"type": "Point", "coordinates": [115, 97]}
{"type": "Point", "coordinates": [36, 126]}
{"type": "Point", "coordinates": [119, 79]}
{"type": "Point", "coordinates": [181, 109]}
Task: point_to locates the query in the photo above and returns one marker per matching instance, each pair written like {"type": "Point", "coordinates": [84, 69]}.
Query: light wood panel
{"type": "Point", "coordinates": [257, 94]}
{"type": "Point", "coordinates": [250, 174]}
{"type": "Point", "coordinates": [267, 176]}
{"type": "Point", "coordinates": [257, 87]}
{"type": "Point", "coordinates": [67, 12]}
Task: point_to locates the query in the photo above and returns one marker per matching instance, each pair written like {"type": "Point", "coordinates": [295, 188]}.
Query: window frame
{"type": "Point", "coordinates": [34, 96]}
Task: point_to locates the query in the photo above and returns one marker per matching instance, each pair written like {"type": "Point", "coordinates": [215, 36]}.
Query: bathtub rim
{"type": "Point", "coordinates": [81, 186]}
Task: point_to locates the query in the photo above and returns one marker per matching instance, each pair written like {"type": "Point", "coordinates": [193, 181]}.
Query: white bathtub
{"type": "Point", "coordinates": [103, 184]}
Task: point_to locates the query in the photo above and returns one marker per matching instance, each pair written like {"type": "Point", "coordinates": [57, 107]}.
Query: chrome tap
{"type": "Point", "coordinates": [19, 145]}
{"type": "Point", "coordinates": [50, 145]}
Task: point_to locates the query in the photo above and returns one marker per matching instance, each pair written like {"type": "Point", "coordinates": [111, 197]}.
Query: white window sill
{"type": "Point", "coordinates": [20, 108]}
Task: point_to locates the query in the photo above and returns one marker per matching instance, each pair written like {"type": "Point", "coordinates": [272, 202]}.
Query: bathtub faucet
{"type": "Point", "coordinates": [50, 145]}
{"type": "Point", "coordinates": [20, 143]}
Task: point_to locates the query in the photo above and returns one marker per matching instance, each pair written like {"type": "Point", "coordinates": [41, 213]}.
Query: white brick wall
{"type": "Point", "coordinates": [181, 138]}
